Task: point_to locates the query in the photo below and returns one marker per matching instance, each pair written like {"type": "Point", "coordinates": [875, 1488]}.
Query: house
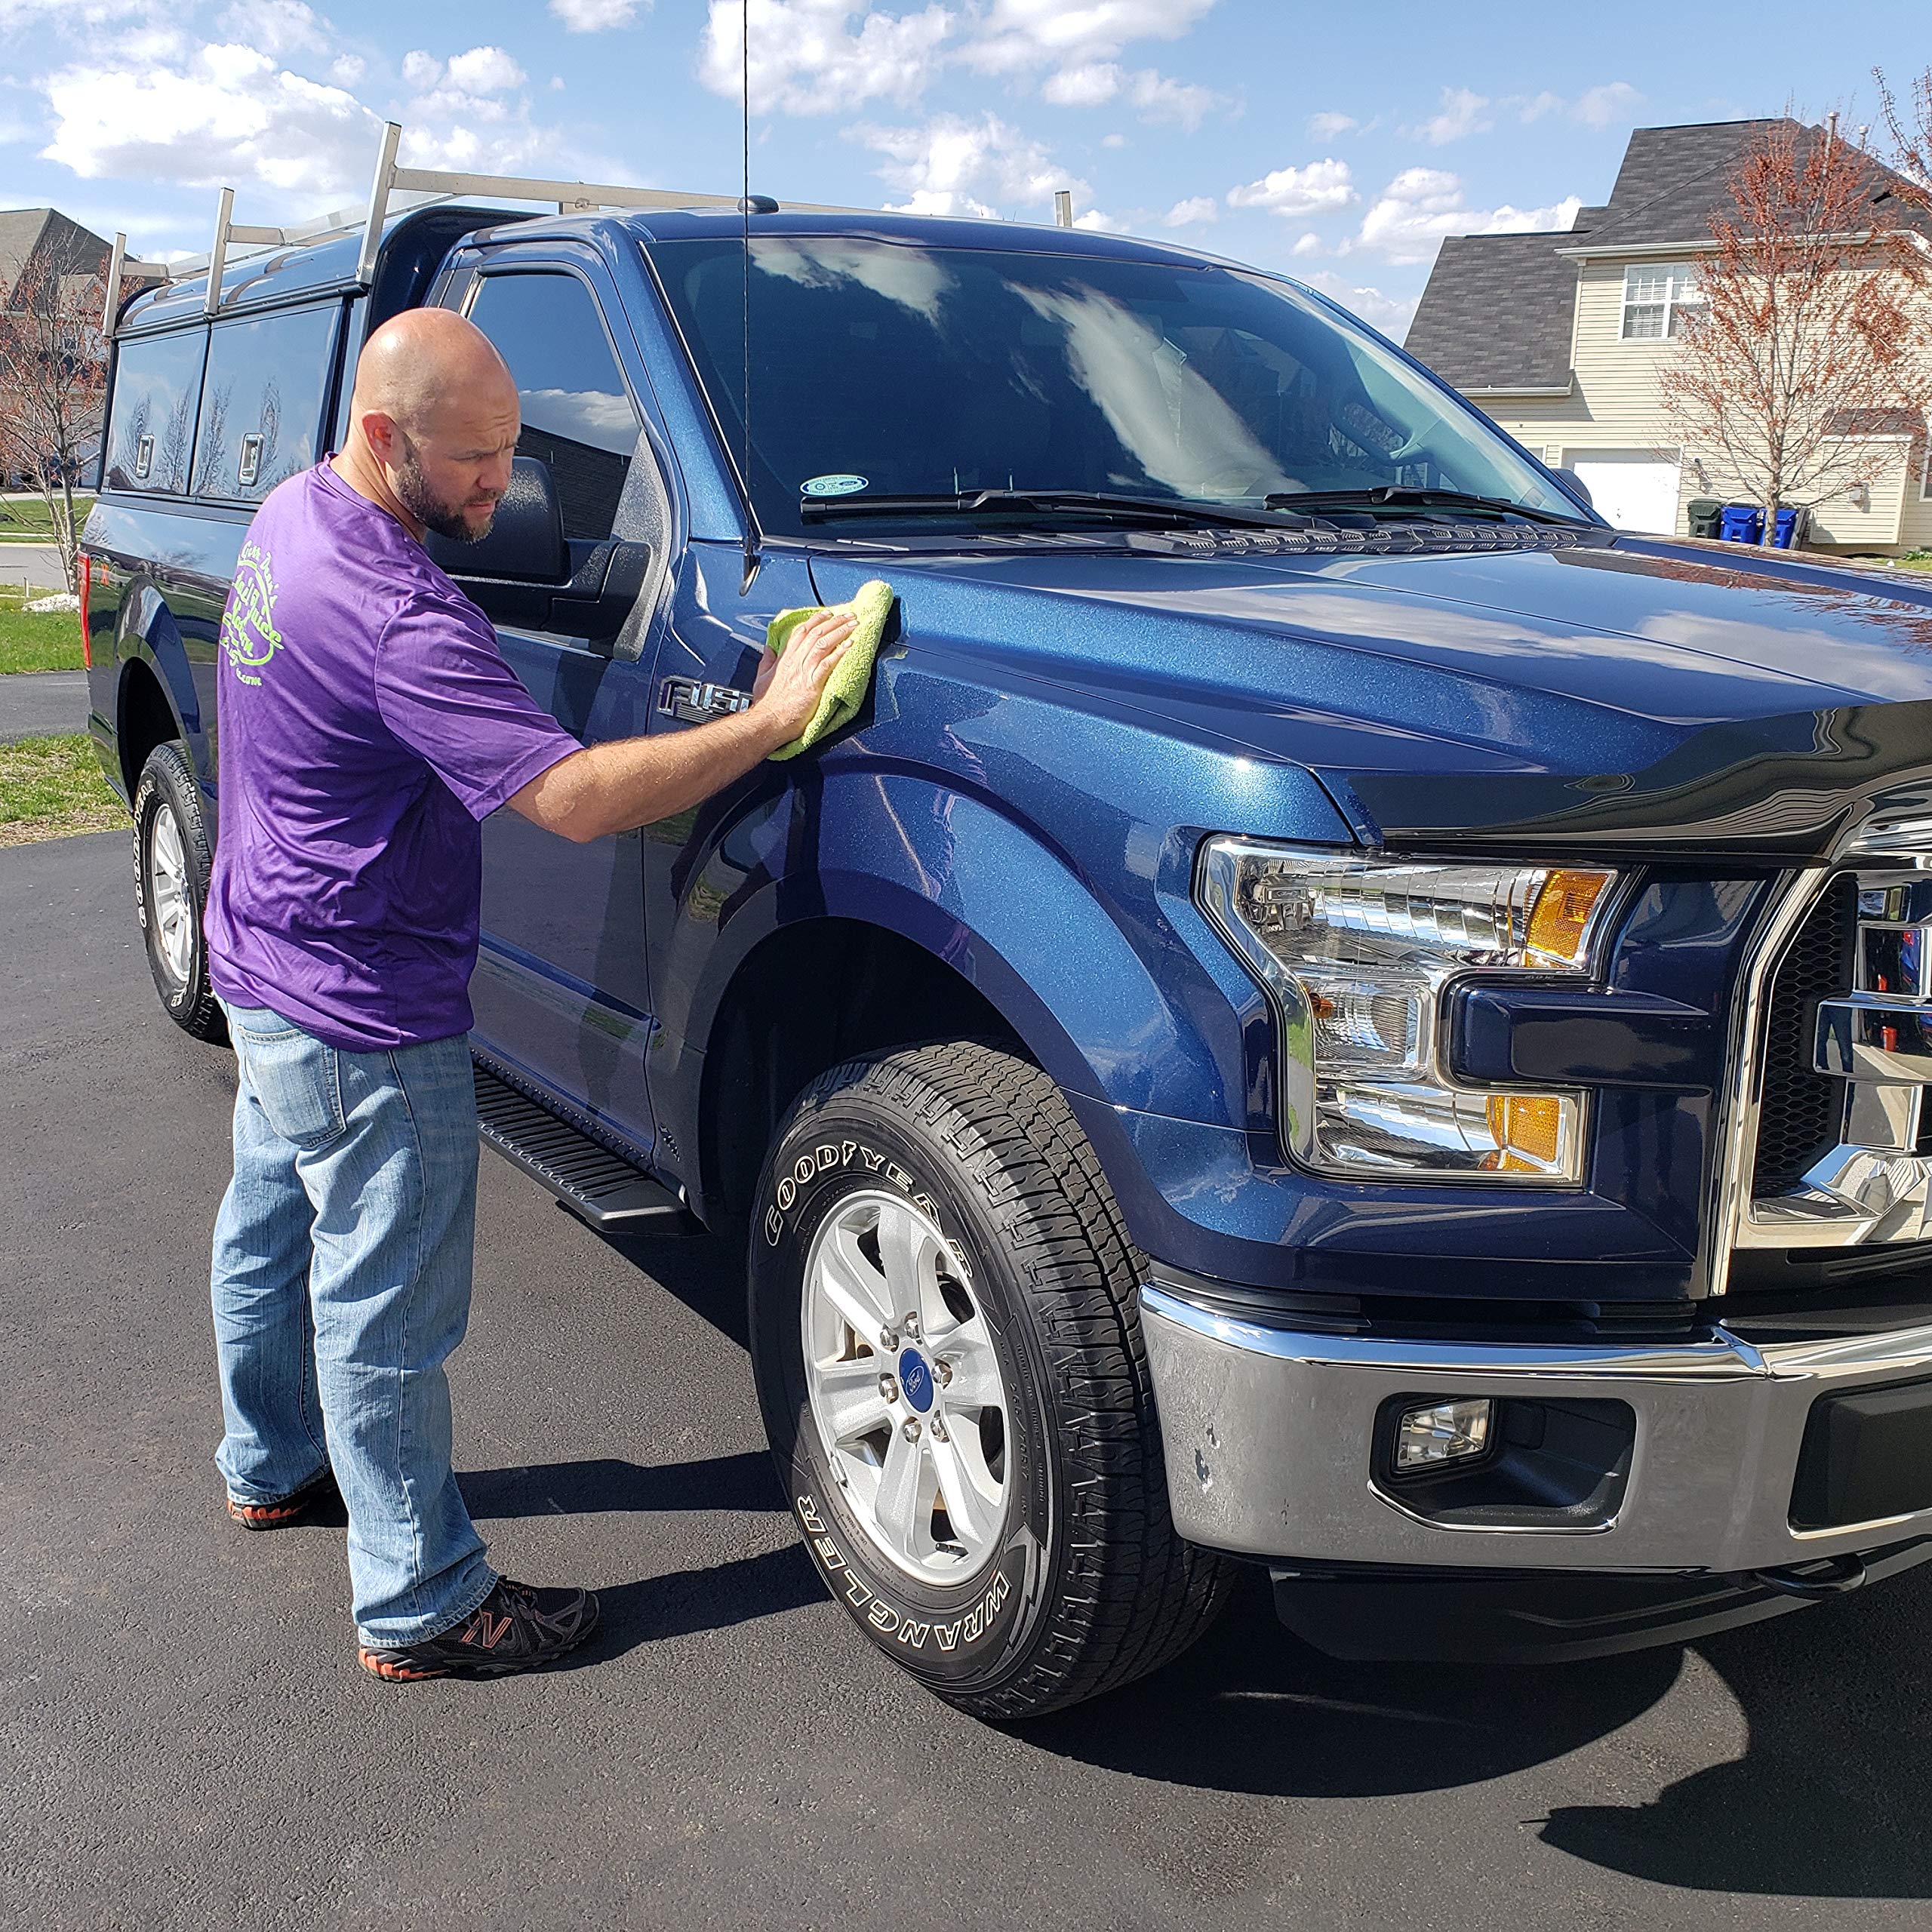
{"type": "Point", "coordinates": [35, 244]}
{"type": "Point", "coordinates": [1558, 338]}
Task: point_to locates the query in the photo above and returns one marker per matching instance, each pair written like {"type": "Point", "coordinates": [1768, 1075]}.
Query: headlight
{"type": "Point", "coordinates": [1356, 953]}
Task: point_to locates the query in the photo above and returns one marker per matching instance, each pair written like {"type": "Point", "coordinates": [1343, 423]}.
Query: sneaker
{"type": "Point", "coordinates": [289, 1509]}
{"type": "Point", "coordinates": [514, 1628]}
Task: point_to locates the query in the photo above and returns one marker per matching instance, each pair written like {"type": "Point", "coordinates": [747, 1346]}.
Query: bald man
{"type": "Point", "coordinates": [368, 723]}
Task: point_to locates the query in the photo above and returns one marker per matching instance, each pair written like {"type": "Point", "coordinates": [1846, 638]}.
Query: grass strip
{"type": "Point", "coordinates": [37, 640]}
{"type": "Point", "coordinates": [25, 518]}
{"type": "Point", "coordinates": [51, 788]}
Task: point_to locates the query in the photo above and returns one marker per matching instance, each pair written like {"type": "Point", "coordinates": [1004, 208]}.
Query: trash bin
{"type": "Point", "coordinates": [1704, 513]}
{"type": "Point", "coordinates": [1787, 532]}
{"type": "Point", "coordinates": [1742, 523]}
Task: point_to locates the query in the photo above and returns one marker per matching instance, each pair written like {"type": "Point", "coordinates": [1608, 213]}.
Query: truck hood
{"type": "Point", "coordinates": [1621, 692]}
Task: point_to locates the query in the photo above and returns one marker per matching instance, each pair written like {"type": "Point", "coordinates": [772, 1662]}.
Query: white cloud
{"type": "Point", "coordinates": [420, 70]}
{"type": "Point", "coordinates": [1113, 141]}
{"type": "Point", "coordinates": [346, 70]}
{"type": "Point", "coordinates": [1463, 113]}
{"type": "Point", "coordinates": [1101, 224]}
{"type": "Point", "coordinates": [1615, 101]}
{"type": "Point", "coordinates": [953, 166]}
{"type": "Point", "coordinates": [1158, 97]}
{"type": "Point", "coordinates": [1309, 244]}
{"type": "Point", "coordinates": [1324, 126]}
{"type": "Point", "coordinates": [1015, 36]}
{"type": "Point", "coordinates": [808, 57]}
{"type": "Point", "coordinates": [277, 27]}
{"type": "Point", "coordinates": [1320, 188]}
{"type": "Point", "coordinates": [1088, 86]}
{"type": "Point", "coordinates": [485, 70]}
{"type": "Point", "coordinates": [1535, 106]}
{"type": "Point", "coordinates": [594, 16]}
{"type": "Point", "coordinates": [226, 115]}
{"type": "Point", "coordinates": [1192, 213]}
{"type": "Point", "coordinates": [1423, 204]}
{"type": "Point", "coordinates": [1391, 314]}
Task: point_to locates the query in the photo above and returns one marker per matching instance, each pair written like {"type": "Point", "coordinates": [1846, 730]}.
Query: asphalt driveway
{"type": "Point", "coordinates": [185, 1741]}
{"type": "Point", "coordinates": [38, 704]}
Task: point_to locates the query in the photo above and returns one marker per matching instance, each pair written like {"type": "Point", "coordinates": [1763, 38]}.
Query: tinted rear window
{"type": "Point", "coordinates": [157, 385]}
{"type": "Point", "coordinates": [261, 401]}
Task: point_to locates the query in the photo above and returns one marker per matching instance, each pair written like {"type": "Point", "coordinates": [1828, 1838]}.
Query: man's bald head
{"type": "Point", "coordinates": [433, 424]}
{"type": "Point", "coordinates": [419, 361]}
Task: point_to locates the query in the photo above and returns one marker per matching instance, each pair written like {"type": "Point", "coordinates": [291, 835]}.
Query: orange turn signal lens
{"type": "Point", "coordinates": [1527, 1129]}
{"type": "Point", "coordinates": [1561, 915]}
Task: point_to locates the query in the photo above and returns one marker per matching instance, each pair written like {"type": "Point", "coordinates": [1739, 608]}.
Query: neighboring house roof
{"type": "Point", "coordinates": [26, 233]}
{"type": "Point", "coordinates": [1498, 310]}
{"type": "Point", "coordinates": [1496, 313]}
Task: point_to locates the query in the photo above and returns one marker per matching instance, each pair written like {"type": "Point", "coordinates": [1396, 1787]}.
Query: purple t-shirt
{"type": "Point", "coordinates": [368, 723]}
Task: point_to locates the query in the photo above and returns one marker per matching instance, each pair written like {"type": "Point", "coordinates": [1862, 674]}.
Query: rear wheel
{"type": "Point", "coordinates": [947, 1345]}
{"type": "Point", "coordinates": [171, 867]}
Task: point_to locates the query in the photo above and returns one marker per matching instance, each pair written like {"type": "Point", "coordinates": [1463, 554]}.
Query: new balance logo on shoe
{"type": "Point", "coordinates": [489, 1631]}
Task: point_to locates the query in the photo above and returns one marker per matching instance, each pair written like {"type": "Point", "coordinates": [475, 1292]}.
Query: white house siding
{"type": "Point", "coordinates": [1614, 405]}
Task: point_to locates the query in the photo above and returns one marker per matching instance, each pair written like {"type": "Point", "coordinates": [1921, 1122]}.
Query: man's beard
{"type": "Point", "coordinates": [412, 492]}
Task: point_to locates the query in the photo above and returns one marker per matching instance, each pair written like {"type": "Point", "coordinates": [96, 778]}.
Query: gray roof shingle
{"type": "Point", "coordinates": [1498, 309]}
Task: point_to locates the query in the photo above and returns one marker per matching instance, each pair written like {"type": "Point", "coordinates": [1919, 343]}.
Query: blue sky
{"type": "Point", "coordinates": [1338, 142]}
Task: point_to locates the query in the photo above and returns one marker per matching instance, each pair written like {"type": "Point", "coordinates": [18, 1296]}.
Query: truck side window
{"type": "Point", "coordinates": [261, 401]}
{"type": "Point", "coordinates": [157, 386]}
{"type": "Point", "coordinates": [577, 415]}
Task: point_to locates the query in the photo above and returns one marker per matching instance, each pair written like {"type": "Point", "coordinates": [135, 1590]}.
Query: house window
{"type": "Point", "coordinates": [1654, 300]}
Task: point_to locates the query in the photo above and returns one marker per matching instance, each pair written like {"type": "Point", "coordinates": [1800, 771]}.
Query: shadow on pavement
{"type": "Point", "coordinates": [1254, 1709]}
{"type": "Point", "coordinates": [713, 1598]}
{"type": "Point", "coordinates": [746, 1482]}
{"type": "Point", "coordinates": [1828, 1799]}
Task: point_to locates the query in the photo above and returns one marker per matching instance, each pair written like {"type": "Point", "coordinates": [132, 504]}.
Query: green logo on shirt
{"type": "Point", "coordinates": [247, 625]}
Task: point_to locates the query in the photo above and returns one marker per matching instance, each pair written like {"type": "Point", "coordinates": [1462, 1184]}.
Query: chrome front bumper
{"type": "Point", "coordinates": [1269, 1436]}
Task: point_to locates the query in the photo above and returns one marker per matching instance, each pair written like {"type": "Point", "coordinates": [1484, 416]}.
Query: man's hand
{"type": "Point", "coordinates": [638, 781]}
{"type": "Point", "coordinates": [790, 686]}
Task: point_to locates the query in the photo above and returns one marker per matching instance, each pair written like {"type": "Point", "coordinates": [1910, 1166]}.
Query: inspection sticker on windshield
{"type": "Point", "coordinates": [834, 486]}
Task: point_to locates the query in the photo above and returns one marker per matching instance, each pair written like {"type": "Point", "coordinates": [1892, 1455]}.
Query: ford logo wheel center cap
{"type": "Point", "coordinates": [915, 1379]}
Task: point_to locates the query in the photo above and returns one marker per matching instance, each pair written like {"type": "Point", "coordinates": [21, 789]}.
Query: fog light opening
{"type": "Point", "coordinates": [1434, 1435]}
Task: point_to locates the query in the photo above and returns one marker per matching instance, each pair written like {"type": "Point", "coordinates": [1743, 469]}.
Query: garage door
{"type": "Point", "coordinates": [1634, 489]}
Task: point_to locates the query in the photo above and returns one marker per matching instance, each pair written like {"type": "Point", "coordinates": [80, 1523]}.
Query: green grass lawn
{"type": "Point", "coordinates": [24, 519]}
{"type": "Point", "coordinates": [37, 640]}
{"type": "Point", "coordinates": [51, 788]}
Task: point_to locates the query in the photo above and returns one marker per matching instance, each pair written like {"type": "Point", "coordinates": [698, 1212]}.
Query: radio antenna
{"type": "Point", "coordinates": [745, 208]}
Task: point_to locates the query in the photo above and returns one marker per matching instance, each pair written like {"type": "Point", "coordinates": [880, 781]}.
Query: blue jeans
{"type": "Point", "coordinates": [341, 1284]}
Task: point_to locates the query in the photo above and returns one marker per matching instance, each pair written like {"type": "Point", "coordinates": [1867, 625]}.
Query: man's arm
{"type": "Point", "coordinates": [637, 781]}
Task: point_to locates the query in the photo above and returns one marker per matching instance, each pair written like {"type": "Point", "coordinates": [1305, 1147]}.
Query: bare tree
{"type": "Point", "coordinates": [1909, 123]}
{"type": "Point", "coordinates": [1809, 346]}
{"type": "Point", "coordinates": [53, 380]}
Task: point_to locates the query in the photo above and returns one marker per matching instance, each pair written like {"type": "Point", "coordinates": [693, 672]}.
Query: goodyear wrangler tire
{"type": "Point", "coordinates": [947, 1351]}
{"type": "Point", "coordinates": [172, 861]}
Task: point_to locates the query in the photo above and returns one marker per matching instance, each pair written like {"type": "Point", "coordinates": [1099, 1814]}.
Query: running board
{"type": "Point", "coordinates": [590, 1180]}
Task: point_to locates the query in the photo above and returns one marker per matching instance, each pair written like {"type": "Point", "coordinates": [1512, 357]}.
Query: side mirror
{"type": "Point", "coordinates": [525, 544]}
{"type": "Point", "coordinates": [1577, 486]}
{"type": "Point", "coordinates": [525, 573]}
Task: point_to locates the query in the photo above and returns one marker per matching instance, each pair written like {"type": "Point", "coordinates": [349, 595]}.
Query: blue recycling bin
{"type": "Point", "coordinates": [1743, 523]}
{"type": "Point", "coordinates": [1787, 528]}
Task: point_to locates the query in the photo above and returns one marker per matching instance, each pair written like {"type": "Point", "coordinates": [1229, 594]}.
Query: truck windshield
{"type": "Point", "coordinates": [882, 369]}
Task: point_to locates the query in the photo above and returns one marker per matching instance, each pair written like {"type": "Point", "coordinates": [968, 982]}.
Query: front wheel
{"type": "Point", "coordinates": [947, 1346]}
{"type": "Point", "coordinates": [171, 865]}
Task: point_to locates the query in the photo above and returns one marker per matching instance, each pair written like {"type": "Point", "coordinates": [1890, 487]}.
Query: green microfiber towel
{"type": "Point", "coordinates": [846, 689]}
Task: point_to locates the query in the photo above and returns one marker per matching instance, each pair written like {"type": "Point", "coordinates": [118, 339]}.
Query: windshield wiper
{"type": "Point", "coordinates": [1398, 496]}
{"type": "Point", "coordinates": [1159, 512]}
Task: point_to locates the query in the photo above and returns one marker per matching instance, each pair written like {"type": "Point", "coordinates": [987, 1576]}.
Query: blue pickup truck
{"type": "Point", "coordinates": [1330, 1012]}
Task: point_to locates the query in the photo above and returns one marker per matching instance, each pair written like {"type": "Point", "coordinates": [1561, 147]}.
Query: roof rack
{"type": "Point", "coordinates": [425, 187]}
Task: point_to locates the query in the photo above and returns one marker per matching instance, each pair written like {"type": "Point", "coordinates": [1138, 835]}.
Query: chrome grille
{"type": "Point", "coordinates": [1840, 1156]}
{"type": "Point", "coordinates": [1801, 1110]}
